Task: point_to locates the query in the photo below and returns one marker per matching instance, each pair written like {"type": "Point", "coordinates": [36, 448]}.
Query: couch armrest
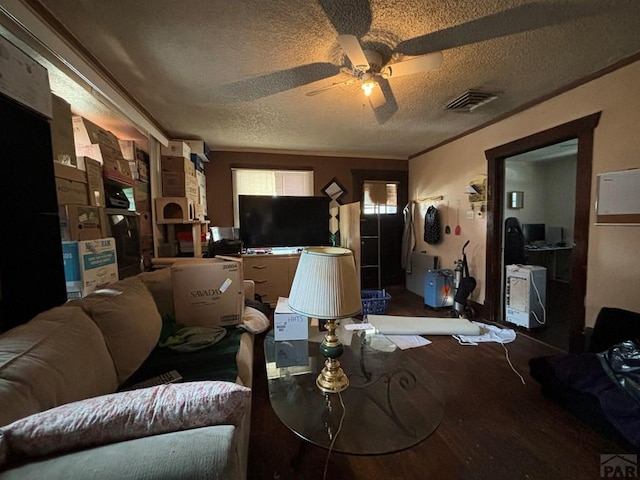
{"type": "Point", "coordinates": [613, 325]}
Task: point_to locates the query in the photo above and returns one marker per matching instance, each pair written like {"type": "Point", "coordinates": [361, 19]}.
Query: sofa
{"type": "Point", "coordinates": [65, 411]}
{"type": "Point", "coordinates": [601, 387]}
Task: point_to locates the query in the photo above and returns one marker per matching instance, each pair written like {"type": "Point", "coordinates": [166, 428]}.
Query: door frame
{"type": "Point", "coordinates": [582, 129]}
{"type": "Point", "coordinates": [358, 177]}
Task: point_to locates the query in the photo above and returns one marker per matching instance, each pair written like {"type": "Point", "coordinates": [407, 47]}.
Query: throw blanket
{"type": "Point", "coordinates": [217, 362]}
{"type": "Point", "coordinates": [592, 374]}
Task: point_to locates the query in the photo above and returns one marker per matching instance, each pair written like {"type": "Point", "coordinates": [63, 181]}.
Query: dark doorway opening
{"type": "Point", "coordinates": [381, 234]}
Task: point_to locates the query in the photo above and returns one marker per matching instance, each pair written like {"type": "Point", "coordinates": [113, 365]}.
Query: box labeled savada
{"type": "Point", "coordinates": [208, 292]}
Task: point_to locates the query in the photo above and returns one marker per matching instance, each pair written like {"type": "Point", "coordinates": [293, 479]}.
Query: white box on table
{"type": "Point", "coordinates": [208, 292]}
{"type": "Point", "coordinates": [288, 325]}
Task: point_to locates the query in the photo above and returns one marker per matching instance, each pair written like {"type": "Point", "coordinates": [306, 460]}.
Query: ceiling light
{"type": "Point", "coordinates": [368, 86]}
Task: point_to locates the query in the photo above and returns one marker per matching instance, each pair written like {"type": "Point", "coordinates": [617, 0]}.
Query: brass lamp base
{"type": "Point", "coordinates": [332, 378]}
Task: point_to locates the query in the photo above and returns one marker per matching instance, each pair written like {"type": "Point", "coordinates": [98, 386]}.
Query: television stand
{"type": "Point", "coordinates": [272, 271]}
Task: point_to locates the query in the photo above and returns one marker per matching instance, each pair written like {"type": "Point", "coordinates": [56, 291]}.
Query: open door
{"type": "Point", "coordinates": [582, 130]}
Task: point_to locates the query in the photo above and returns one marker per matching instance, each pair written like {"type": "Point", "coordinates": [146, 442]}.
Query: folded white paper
{"type": "Point", "coordinates": [408, 341]}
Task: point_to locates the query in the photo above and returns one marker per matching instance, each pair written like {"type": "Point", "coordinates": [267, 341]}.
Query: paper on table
{"type": "Point", "coordinates": [408, 341]}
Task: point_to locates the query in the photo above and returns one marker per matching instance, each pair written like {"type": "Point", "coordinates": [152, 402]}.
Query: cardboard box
{"type": "Point", "coordinates": [68, 191]}
{"type": "Point", "coordinates": [69, 173]}
{"type": "Point", "coordinates": [71, 185]}
{"type": "Point", "coordinates": [200, 211]}
{"type": "Point", "coordinates": [197, 162]}
{"type": "Point", "coordinates": [95, 185]}
{"type": "Point", "coordinates": [89, 265]}
{"type": "Point", "coordinates": [133, 151]}
{"type": "Point", "coordinates": [176, 148]}
{"type": "Point", "coordinates": [177, 184]}
{"type": "Point", "coordinates": [175, 209]}
{"type": "Point", "coordinates": [139, 170]}
{"type": "Point", "coordinates": [24, 79]}
{"type": "Point", "coordinates": [288, 325]}
{"type": "Point", "coordinates": [199, 148]}
{"type": "Point", "coordinates": [146, 231]}
{"type": "Point", "coordinates": [143, 171]}
{"type": "Point", "coordinates": [177, 164]}
{"type": "Point", "coordinates": [117, 170]}
{"type": "Point", "coordinates": [62, 143]}
{"type": "Point", "coordinates": [142, 196]}
{"type": "Point", "coordinates": [100, 153]}
{"type": "Point", "coordinates": [208, 292]}
{"type": "Point", "coordinates": [202, 190]}
{"type": "Point", "coordinates": [81, 222]}
{"type": "Point", "coordinates": [88, 133]}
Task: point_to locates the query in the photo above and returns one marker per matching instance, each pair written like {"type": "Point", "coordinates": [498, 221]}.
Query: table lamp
{"type": "Point", "coordinates": [325, 287]}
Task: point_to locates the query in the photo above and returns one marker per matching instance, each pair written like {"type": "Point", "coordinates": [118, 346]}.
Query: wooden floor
{"type": "Point", "coordinates": [494, 427]}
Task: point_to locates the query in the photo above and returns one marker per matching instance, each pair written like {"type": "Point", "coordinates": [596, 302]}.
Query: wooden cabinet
{"type": "Point", "coordinates": [272, 274]}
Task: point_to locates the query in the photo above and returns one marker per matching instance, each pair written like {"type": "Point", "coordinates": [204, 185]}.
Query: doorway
{"type": "Point", "coordinates": [539, 193]}
{"type": "Point", "coordinates": [582, 131]}
{"type": "Point", "coordinates": [381, 234]}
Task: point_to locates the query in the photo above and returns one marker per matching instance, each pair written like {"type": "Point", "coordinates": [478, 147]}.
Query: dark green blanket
{"type": "Point", "coordinates": [217, 362]}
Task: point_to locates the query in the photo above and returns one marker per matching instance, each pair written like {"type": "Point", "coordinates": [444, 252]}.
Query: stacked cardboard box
{"type": "Point", "coordinates": [101, 145]}
{"type": "Point", "coordinates": [180, 188]}
{"type": "Point", "coordinates": [95, 184]}
{"type": "Point", "coordinates": [71, 185]}
{"type": "Point", "coordinates": [138, 159]}
{"type": "Point", "coordinates": [139, 165]}
{"type": "Point", "coordinates": [89, 265]}
{"type": "Point", "coordinates": [62, 142]}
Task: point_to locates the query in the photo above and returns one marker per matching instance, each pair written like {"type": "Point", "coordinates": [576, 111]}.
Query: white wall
{"type": "Point", "coordinates": [549, 192]}
{"type": "Point", "coordinates": [613, 270]}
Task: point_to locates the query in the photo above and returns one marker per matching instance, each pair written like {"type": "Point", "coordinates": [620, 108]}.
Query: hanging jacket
{"type": "Point", "coordinates": [432, 227]}
{"type": "Point", "coordinates": [408, 237]}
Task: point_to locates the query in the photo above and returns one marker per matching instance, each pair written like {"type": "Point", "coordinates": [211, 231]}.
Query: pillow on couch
{"type": "Point", "coordinates": [124, 416]}
{"type": "Point", "coordinates": [59, 356]}
{"type": "Point", "coordinates": [127, 315]}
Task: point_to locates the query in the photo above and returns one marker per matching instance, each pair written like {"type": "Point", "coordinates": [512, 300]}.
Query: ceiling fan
{"type": "Point", "coordinates": [367, 68]}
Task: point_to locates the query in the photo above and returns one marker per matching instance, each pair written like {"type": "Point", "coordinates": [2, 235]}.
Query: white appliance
{"type": "Point", "coordinates": [526, 295]}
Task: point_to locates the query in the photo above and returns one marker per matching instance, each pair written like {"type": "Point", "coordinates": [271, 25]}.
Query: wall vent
{"type": "Point", "coordinates": [470, 100]}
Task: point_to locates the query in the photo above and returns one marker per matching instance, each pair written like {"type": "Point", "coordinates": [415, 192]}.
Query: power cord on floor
{"type": "Point", "coordinates": [333, 440]}
{"type": "Point", "coordinates": [506, 354]}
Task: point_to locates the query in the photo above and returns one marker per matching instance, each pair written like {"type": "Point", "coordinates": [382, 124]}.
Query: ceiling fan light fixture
{"type": "Point", "coordinates": [368, 86]}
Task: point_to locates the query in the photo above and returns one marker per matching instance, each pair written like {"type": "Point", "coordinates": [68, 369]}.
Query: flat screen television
{"type": "Point", "coordinates": [533, 233]}
{"type": "Point", "coordinates": [267, 221]}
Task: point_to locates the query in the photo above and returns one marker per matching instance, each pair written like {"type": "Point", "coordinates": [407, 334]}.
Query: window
{"type": "Point", "coordinates": [380, 197]}
{"type": "Point", "coordinates": [247, 181]}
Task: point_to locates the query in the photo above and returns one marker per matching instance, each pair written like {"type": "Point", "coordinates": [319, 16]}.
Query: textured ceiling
{"type": "Point", "coordinates": [236, 73]}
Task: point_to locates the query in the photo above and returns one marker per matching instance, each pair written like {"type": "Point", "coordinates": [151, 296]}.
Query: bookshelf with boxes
{"type": "Point", "coordinates": [181, 210]}
{"type": "Point", "coordinates": [98, 227]}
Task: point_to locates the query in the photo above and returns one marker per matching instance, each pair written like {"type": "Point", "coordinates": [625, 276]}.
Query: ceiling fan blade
{"type": "Point", "coordinates": [424, 63]}
{"type": "Point", "coordinates": [352, 49]}
{"type": "Point", "coordinates": [377, 98]}
{"type": "Point", "coordinates": [348, 16]}
{"type": "Point", "coordinates": [329, 87]}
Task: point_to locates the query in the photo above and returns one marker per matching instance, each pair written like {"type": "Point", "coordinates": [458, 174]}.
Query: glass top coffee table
{"type": "Point", "coordinates": [392, 403]}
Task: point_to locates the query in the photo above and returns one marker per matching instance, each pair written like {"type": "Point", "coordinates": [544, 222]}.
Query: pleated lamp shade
{"type": "Point", "coordinates": [325, 285]}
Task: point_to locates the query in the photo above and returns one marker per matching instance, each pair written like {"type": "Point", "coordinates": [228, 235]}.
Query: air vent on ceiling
{"type": "Point", "coordinates": [470, 100]}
